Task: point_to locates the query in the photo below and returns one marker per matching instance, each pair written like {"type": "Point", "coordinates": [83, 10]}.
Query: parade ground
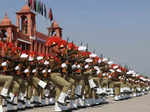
{"type": "Point", "coordinates": [137, 104]}
{"type": "Point", "coordinates": [74, 56]}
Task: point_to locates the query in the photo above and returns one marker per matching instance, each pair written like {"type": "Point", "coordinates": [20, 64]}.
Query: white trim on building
{"type": "Point", "coordinates": [24, 41]}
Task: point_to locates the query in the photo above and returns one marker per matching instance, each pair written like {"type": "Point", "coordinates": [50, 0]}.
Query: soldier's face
{"type": "Point", "coordinates": [67, 62]}
{"type": "Point", "coordinates": [76, 56]}
{"type": "Point", "coordinates": [9, 52]}
{"type": "Point", "coordinates": [55, 49]}
{"type": "Point", "coordinates": [62, 50]}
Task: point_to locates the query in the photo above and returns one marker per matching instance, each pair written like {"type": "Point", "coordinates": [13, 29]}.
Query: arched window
{"type": "Point", "coordinates": [0, 35]}
{"type": "Point", "coordinates": [33, 44]}
{"type": "Point", "coordinates": [45, 48]}
{"type": "Point", "coordinates": [24, 24]}
{"type": "Point", "coordinates": [23, 46]}
{"type": "Point", "coordinates": [41, 49]}
{"type": "Point", "coordinates": [37, 47]}
{"type": "Point", "coordinates": [48, 49]}
{"type": "Point", "coordinates": [13, 36]}
{"type": "Point", "coordinates": [4, 35]}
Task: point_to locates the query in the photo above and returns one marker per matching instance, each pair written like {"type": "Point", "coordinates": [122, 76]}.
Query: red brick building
{"type": "Point", "coordinates": [24, 33]}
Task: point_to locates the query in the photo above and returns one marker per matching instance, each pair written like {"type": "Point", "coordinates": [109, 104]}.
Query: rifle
{"type": "Point", "coordinates": [87, 47]}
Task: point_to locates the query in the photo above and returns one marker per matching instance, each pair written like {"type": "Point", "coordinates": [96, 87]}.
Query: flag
{"type": "Point", "coordinates": [34, 5]}
{"type": "Point", "coordinates": [26, 1]}
{"type": "Point", "coordinates": [45, 11]}
{"type": "Point", "coordinates": [31, 4]}
{"type": "Point", "coordinates": [42, 9]}
{"type": "Point", "coordinates": [39, 6]}
{"type": "Point", "coordinates": [50, 14]}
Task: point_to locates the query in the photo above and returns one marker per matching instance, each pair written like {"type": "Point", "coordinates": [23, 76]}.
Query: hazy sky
{"type": "Point", "coordinates": [120, 29]}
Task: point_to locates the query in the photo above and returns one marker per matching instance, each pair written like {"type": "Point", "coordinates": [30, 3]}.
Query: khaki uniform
{"type": "Point", "coordinates": [61, 84]}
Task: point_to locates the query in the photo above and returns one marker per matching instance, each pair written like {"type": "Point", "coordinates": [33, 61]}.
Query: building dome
{"type": "Point", "coordinates": [25, 8]}
{"type": "Point", "coordinates": [55, 25]}
{"type": "Point", "coordinates": [6, 20]}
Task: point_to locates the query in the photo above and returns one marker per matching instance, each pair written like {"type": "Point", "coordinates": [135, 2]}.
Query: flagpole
{"type": "Point", "coordinates": [26, 1]}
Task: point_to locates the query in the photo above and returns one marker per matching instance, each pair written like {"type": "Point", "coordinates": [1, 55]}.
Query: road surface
{"type": "Point", "coordinates": [137, 104]}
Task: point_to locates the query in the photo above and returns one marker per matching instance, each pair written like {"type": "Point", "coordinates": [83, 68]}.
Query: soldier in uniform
{"type": "Point", "coordinates": [75, 73]}
{"type": "Point", "coordinates": [7, 71]}
{"type": "Point", "coordinates": [62, 85]}
{"type": "Point", "coordinates": [67, 56]}
{"type": "Point", "coordinates": [5, 76]}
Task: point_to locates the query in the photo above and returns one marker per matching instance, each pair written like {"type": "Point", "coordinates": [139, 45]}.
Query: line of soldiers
{"type": "Point", "coordinates": [70, 77]}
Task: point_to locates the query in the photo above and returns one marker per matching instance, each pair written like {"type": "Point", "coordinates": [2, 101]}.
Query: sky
{"type": "Point", "coordinates": [118, 29]}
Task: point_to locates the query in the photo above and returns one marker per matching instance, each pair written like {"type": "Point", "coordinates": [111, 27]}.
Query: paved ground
{"type": "Point", "coordinates": [138, 104]}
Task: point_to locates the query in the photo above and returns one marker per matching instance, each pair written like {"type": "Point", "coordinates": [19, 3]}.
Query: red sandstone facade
{"type": "Point", "coordinates": [24, 33]}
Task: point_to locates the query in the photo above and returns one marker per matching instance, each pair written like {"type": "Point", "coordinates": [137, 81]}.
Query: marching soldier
{"type": "Point", "coordinates": [62, 85]}
{"type": "Point", "coordinates": [76, 74]}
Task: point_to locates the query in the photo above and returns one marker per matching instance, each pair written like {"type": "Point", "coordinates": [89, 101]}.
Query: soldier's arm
{"type": "Point", "coordinates": [87, 72]}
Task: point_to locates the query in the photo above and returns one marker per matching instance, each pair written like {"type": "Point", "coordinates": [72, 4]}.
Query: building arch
{"type": "Point", "coordinates": [24, 24]}
{"type": "Point", "coordinates": [4, 35]}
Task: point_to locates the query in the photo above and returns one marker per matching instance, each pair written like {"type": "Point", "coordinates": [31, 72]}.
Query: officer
{"type": "Point", "coordinates": [62, 85]}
